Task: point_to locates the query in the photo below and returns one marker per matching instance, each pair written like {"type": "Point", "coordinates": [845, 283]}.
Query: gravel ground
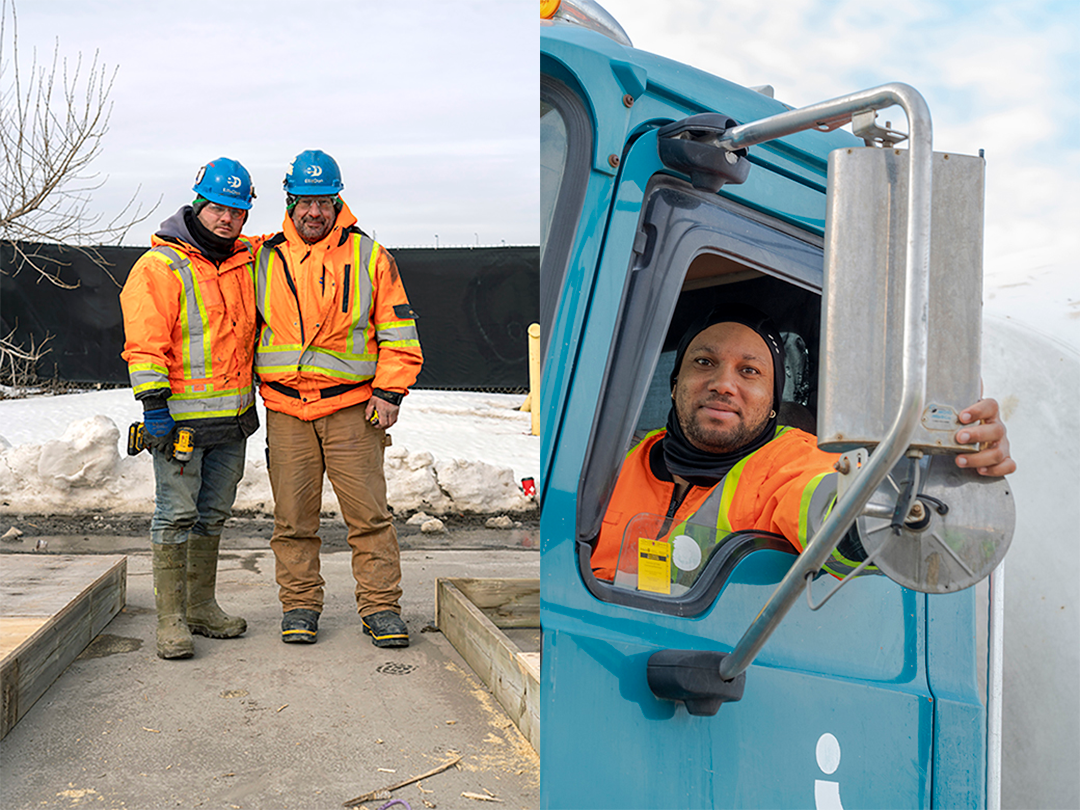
{"type": "Point", "coordinates": [110, 533]}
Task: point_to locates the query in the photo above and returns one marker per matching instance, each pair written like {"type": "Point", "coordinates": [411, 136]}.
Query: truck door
{"type": "Point", "coordinates": [869, 702]}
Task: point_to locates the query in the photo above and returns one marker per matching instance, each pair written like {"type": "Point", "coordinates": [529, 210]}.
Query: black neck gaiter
{"type": "Point", "coordinates": [699, 467]}
{"type": "Point", "coordinates": [215, 248]}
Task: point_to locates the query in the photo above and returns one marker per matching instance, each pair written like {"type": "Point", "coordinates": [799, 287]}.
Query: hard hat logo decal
{"type": "Point", "coordinates": [226, 182]}
{"type": "Point", "coordinates": [313, 172]}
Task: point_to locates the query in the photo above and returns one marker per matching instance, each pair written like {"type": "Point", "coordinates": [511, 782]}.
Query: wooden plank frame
{"type": "Point", "coordinates": [52, 607]}
{"type": "Point", "coordinates": [470, 613]}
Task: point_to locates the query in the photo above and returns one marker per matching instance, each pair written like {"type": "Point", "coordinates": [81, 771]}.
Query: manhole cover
{"type": "Point", "coordinates": [394, 668]}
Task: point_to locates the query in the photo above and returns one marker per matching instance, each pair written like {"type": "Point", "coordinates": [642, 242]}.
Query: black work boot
{"type": "Point", "coordinates": [300, 626]}
{"type": "Point", "coordinates": [387, 629]}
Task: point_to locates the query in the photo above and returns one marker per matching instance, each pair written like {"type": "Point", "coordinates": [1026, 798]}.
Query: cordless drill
{"type": "Point", "coordinates": [183, 445]}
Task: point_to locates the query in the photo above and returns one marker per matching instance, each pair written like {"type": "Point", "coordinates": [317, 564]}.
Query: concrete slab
{"type": "Point", "coordinates": [253, 723]}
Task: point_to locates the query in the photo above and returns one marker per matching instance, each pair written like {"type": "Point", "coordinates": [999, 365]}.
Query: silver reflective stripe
{"type": "Point", "coordinates": [205, 406]}
{"type": "Point", "coordinates": [269, 357]}
{"type": "Point", "coordinates": [708, 513]}
{"type": "Point", "coordinates": [396, 334]}
{"type": "Point", "coordinates": [360, 368]}
{"type": "Point", "coordinates": [193, 333]}
{"type": "Point", "coordinates": [363, 276]}
{"type": "Point", "coordinates": [262, 289]}
{"type": "Point", "coordinates": [266, 359]}
{"type": "Point", "coordinates": [145, 377]}
{"type": "Point", "coordinates": [821, 502]}
{"type": "Point", "coordinates": [267, 337]}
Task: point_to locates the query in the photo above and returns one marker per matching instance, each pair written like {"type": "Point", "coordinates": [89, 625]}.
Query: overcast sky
{"type": "Point", "coordinates": [999, 75]}
{"type": "Point", "coordinates": [430, 108]}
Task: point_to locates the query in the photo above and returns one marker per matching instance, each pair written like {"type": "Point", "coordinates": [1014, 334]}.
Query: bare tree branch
{"type": "Point", "coordinates": [54, 121]}
{"type": "Point", "coordinates": [18, 363]}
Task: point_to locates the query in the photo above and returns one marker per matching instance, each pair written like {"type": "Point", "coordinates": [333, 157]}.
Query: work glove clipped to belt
{"type": "Point", "coordinates": [160, 429]}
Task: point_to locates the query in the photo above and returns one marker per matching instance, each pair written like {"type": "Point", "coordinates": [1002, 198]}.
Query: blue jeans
{"type": "Point", "coordinates": [195, 497]}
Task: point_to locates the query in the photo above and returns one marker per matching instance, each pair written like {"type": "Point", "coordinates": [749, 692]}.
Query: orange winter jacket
{"type": "Point", "coordinates": [189, 331]}
{"type": "Point", "coordinates": [782, 488]}
{"type": "Point", "coordinates": [334, 321]}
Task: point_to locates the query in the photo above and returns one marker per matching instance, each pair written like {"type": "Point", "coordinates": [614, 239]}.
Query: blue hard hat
{"type": "Point", "coordinates": [313, 173]}
{"type": "Point", "coordinates": [225, 182]}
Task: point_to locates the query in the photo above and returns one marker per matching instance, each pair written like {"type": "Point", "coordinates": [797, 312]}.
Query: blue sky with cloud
{"type": "Point", "coordinates": [431, 111]}
{"type": "Point", "coordinates": [1000, 76]}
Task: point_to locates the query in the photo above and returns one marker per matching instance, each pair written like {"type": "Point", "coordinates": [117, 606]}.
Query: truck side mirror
{"type": "Point", "coordinates": [860, 387]}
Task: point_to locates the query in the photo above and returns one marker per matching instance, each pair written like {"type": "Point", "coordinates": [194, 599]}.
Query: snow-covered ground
{"type": "Point", "coordinates": [451, 451]}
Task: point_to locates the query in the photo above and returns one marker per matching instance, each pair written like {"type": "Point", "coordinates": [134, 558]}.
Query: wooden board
{"type": "Point", "coordinates": [512, 676]}
{"type": "Point", "coordinates": [507, 602]}
{"type": "Point", "coordinates": [51, 608]}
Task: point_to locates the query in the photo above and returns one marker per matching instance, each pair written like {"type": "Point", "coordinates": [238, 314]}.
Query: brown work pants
{"type": "Point", "coordinates": [350, 451]}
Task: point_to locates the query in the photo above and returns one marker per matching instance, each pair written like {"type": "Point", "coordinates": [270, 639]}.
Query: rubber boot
{"type": "Point", "coordinates": [204, 615]}
{"type": "Point", "coordinates": [170, 587]}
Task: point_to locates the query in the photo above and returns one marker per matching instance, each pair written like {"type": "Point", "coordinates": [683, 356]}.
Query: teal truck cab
{"type": "Point", "coordinates": [727, 681]}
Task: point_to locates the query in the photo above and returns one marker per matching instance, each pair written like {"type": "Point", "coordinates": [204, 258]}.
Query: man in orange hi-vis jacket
{"type": "Point", "coordinates": [724, 462]}
{"type": "Point", "coordinates": [336, 354]}
{"type": "Point", "coordinates": [189, 327]}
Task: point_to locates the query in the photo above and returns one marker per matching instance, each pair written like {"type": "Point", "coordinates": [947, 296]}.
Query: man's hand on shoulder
{"type": "Point", "coordinates": [388, 412]}
{"type": "Point", "coordinates": [983, 427]}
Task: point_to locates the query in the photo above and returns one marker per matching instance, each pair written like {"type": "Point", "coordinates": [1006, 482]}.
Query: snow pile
{"type": "Point", "coordinates": [81, 470]}
{"type": "Point", "coordinates": [460, 446]}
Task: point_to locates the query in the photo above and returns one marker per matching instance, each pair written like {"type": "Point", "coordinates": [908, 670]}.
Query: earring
{"type": "Point", "coordinates": [772, 414]}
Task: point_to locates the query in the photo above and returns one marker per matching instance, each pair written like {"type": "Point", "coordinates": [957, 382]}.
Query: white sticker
{"type": "Point", "coordinates": [685, 553]}
{"type": "Point", "coordinates": [828, 753]}
{"type": "Point", "coordinates": [940, 417]}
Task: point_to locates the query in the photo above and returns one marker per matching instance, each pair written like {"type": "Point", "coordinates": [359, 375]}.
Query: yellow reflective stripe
{"type": "Point", "coordinates": [188, 416]}
{"type": "Point", "coordinates": [804, 506]}
{"type": "Point", "coordinates": [395, 324]}
{"type": "Point", "coordinates": [138, 389]}
{"type": "Point", "coordinates": [354, 304]}
{"type": "Point", "coordinates": [196, 406]}
{"type": "Point", "coordinates": [644, 439]}
{"type": "Point", "coordinates": [207, 353]}
{"type": "Point", "coordinates": [133, 367]}
{"type": "Point", "coordinates": [343, 355]}
{"type": "Point", "coordinates": [340, 375]}
{"type": "Point", "coordinates": [372, 262]}
{"type": "Point", "coordinates": [288, 357]}
{"type": "Point", "coordinates": [210, 393]}
{"type": "Point", "coordinates": [393, 344]}
{"type": "Point", "coordinates": [730, 484]}
{"type": "Point", "coordinates": [192, 316]}
{"type": "Point", "coordinates": [147, 376]}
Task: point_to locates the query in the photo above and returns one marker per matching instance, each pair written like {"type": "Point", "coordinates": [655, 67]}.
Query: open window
{"type": "Point", "coordinates": [694, 250]}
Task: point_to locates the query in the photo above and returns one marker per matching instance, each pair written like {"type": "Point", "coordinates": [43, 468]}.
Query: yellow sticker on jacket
{"type": "Point", "coordinates": [654, 565]}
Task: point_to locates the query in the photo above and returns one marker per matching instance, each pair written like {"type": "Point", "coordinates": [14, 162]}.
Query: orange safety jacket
{"type": "Point", "coordinates": [335, 321]}
{"type": "Point", "coordinates": [784, 488]}
{"type": "Point", "coordinates": [189, 329]}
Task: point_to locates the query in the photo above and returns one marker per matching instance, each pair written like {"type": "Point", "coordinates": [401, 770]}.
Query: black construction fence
{"type": "Point", "coordinates": [474, 307]}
